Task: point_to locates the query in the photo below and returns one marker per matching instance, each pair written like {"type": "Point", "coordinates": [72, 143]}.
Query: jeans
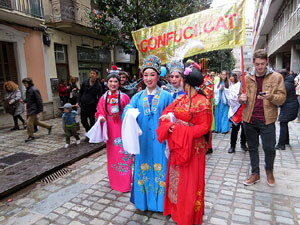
{"type": "Point", "coordinates": [85, 114]}
{"type": "Point", "coordinates": [267, 133]}
{"type": "Point", "coordinates": [234, 134]}
{"type": "Point", "coordinates": [284, 137]}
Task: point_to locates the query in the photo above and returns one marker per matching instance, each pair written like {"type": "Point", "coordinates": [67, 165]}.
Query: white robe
{"type": "Point", "coordinates": [130, 139]}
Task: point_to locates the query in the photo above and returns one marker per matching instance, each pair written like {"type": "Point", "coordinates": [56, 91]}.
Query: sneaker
{"type": "Point", "coordinates": [49, 129]}
{"type": "Point", "coordinates": [254, 178]}
{"type": "Point", "coordinates": [270, 178]}
{"type": "Point", "coordinates": [77, 142]}
{"type": "Point", "coordinates": [66, 146]}
{"type": "Point", "coordinates": [231, 150]}
{"type": "Point", "coordinates": [244, 147]}
{"type": "Point", "coordinates": [29, 139]}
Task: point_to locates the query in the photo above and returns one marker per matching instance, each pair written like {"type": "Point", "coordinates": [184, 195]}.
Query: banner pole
{"type": "Point", "coordinates": [243, 73]}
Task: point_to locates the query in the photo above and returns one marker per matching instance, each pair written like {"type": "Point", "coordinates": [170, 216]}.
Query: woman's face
{"type": "Point", "coordinates": [231, 78]}
{"type": "Point", "coordinates": [175, 78]}
{"type": "Point", "coordinates": [8, 88]}
{"type": "Point", "coordinates": [113, 84]}
{"type": "Point", "coordinates": [150, 78]}
{"type": "Point", "coordinates": [223, 75]}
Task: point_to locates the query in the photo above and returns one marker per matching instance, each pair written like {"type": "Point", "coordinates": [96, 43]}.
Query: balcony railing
{"type": "Point", "coordinates": [33, 8]}
{"type": "Point", "coordinates": [70, 11]}
{"type": "Point", "coordinates": [286, 30]}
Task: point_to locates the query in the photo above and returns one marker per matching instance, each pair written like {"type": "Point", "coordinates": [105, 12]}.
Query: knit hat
{"type": "Point", "coordinates": [68, 106]}
{"type": "Point", "coordinates": [152, 62]}
{"type": "Point", "coordinates": [176, 66]}
{"type": "Point", "coordinates": [192, 75]}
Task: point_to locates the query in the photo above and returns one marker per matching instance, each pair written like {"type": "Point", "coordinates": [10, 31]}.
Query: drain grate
{"type": "Point", "coordinates": [54, 176]}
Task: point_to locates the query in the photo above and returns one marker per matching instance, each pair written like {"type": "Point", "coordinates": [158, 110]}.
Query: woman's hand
{"type": "Point", "coordinates": [221, 87]}
{"type": "Point", "coordinates": [102, 120]}
{"type": "Point", "coordinates": [171, 128]}
{"type": "Point", "coordinates": [165, 117]}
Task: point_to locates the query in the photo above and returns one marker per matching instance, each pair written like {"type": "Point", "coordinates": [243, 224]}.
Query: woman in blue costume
{"type": "Point", "coordinates": [221, 91]}
{"type": "Point", "coordinates": [150, 166]}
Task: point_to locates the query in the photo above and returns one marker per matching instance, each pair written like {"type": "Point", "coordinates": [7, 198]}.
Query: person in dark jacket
{"type": "Point", "coordinates": [34, 105]}
{"type": "Point", "coordinates": [89, 95]}
{"type": "Point", "coordinates": [288, 111]}
{"type": "Point", "coordinates": [124, 82]}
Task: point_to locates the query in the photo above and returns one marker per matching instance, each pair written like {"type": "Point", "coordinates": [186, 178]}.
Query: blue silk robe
{"type": "Point", "coordinates": [150, 166]}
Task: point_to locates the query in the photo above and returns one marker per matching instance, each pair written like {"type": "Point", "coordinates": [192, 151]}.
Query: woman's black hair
{"type": "Point", "coordinates": [114, 75]}
{"type": "Point", "coordinates": [234, 75]}
{"type": "Point", "coordinates": [194, 79]}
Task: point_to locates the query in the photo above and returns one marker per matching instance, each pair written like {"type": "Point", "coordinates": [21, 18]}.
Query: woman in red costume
{"type": "Point", "coordinates": [187, 136]}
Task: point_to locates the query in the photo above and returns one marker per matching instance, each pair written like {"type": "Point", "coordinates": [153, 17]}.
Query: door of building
{"type": "Point", "coordinates": [8, 69]}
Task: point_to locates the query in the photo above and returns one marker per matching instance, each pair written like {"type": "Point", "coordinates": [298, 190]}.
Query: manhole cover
{"type": "Point", "coordinates": [57, 174]}
{"type": "Point", "coordinates": [15, 158]}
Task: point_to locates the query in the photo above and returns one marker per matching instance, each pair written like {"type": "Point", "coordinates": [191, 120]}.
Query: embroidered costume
{"type": "Point", "coordinates": [118, 162]}
{"type": "Point", "coordinates": [150, 166]}
{"type": "Point", "coordinates": [188, 143]}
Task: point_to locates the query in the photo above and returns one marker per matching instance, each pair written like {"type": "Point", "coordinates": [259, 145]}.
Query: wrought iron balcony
{"type": "Point", "coordinates": [32, 8]}
{"type": "Point", "coordinates": [70, 11]}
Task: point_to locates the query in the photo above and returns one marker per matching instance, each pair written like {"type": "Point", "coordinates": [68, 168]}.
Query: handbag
{"type": "Point", "coordinates": [9, 108]}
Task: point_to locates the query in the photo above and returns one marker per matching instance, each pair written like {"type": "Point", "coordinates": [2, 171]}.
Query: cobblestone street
{"type": "Point", "coordinates": [83, 196]}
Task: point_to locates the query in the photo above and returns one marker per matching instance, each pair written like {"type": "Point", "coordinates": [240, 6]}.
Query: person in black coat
{"type": "Point", "coordinates": [88, 97]}
{"type": "Point", "coordinates": [34, 106]}
{"type": "Point", "coordinates": [288, 111]}
{"type": "Point", "coordinates": [124, 82]}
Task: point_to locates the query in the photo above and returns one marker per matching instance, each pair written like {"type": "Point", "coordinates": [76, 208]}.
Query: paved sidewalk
{"type": "Point", "coordinates": [12, 143]}
{"type": "Point", "coordinates": [84, 197]}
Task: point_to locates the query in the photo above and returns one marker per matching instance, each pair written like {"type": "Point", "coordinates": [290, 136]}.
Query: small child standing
{"type": "Point", "coordinates": [69, 124]}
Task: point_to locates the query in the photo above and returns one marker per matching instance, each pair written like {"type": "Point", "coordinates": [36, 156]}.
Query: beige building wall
{"type": "Point", "coordinates": [72, 41]}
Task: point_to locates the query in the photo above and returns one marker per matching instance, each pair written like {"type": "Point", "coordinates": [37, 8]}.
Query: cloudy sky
{"type": "Point", "coordinates": [249, 6]}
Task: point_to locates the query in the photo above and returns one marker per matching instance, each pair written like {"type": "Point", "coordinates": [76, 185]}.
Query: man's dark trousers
{"type": "Point", "coordinates": [267, 133]}
{"type": "Point", "coordinates": [85, 114]}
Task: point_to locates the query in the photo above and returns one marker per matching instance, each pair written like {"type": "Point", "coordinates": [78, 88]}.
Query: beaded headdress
{"type": "Point", "coordinates": [152, 62]}
{"type": "Point", "coordinates": [176, 66]}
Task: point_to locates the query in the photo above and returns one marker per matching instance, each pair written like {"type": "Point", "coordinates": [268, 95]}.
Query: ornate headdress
{"type": "Point", "coordinates": [204, 62]}
{"type": "Point", "coordinates": [176, 66]}
{"type": "Point", "coordinates": [152, 62]}
{"type": "Point", "coordinates": [114, 72]}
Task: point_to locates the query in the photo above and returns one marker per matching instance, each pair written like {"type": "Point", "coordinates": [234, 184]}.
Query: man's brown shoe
{"type": "Point", "coordinates": [254, 178]}
{"type": "Point", "coordinates": [270, 178]}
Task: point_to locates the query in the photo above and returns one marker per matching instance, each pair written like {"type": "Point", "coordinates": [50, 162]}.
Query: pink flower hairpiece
{"type": "Point", "coordinates": [187, 70]}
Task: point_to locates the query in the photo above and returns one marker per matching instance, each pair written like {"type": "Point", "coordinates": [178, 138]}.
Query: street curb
{"type": "Point", "coordinates": [27, 172]}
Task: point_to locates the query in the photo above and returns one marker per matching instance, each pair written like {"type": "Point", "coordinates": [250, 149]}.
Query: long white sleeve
{"type": "Point", "coordinates": [131, 132]}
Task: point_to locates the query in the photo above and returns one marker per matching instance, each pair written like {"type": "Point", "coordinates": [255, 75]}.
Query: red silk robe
{"type": "Point", "coordinates": [184, 196]}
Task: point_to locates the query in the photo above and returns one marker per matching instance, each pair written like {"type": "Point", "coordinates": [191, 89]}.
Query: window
{"type": "Point", "coordinates": [61, 59]}
{"type": "Point", "coordinates": [60, 53]}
